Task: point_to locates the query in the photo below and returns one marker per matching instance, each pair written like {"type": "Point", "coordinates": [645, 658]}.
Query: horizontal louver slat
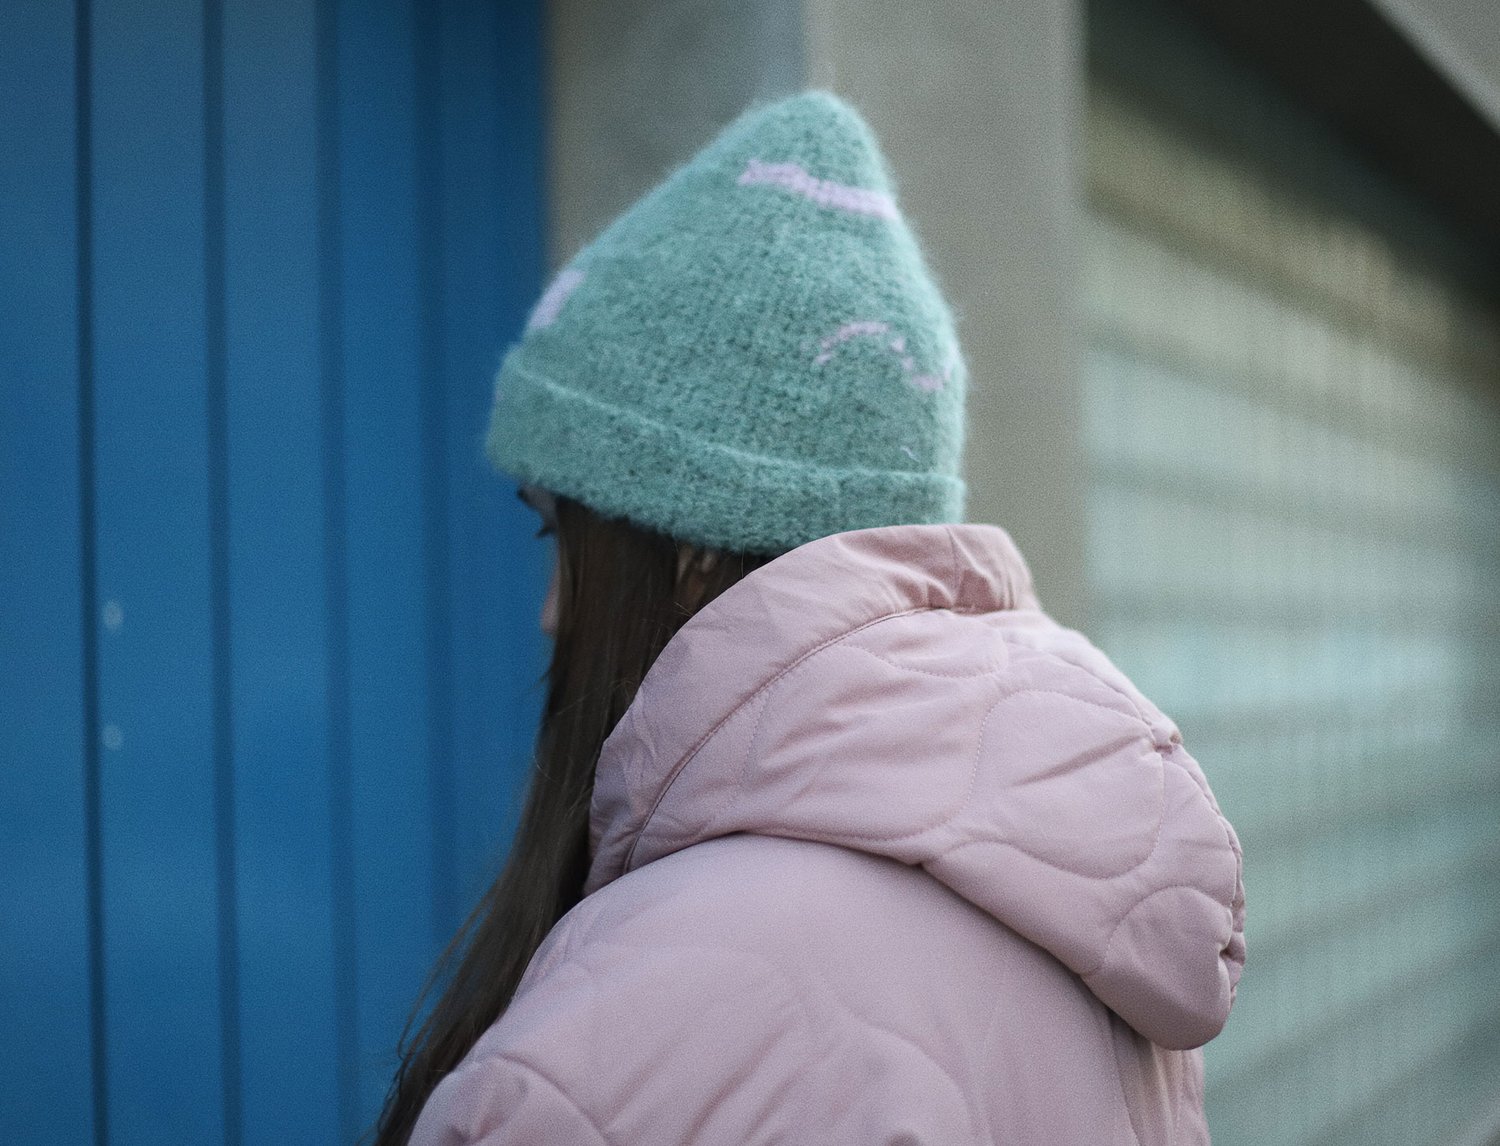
{"type": "Point", "coordinates": [1293, 435]}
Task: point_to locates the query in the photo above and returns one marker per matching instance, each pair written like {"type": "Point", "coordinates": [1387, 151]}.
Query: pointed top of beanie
{"type": "Point", "coordinates": [754, 355]}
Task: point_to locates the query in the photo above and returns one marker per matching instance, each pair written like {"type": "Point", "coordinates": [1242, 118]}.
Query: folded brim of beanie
{"type": "Point", "coordinates": [659, 475]}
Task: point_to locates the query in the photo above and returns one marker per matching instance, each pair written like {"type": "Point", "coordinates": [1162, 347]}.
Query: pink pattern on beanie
{"type": "Point", "coordinates": [550, 305]}
{"type": "Point", "coordinates": [927, 383]}
{"type": "Point", "coordinates": [824, 192]}
{"type": "Point", "coordinates": [930, 382]}
{"type": "Point", "coordinates": [845, 333]}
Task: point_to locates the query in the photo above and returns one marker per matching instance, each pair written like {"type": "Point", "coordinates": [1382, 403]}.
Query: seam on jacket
{"type": "Point", "coordinates": [1230, 840]}
{"type": "Point", "coordinates": [1177, 1096]}
{"type": "Point", "coordinates": [1131, 910]}
{"type": "Point", "coordinates": [948, 816]}
{"type": "Point", "coordinates": [993, 670]}
{"type": "Point", "coordinates": [792, 983]}
{"type": "Point", "coordinates": [799, 984]}
{"type": "Point", "coordinates": [1237, 882]}
{"type": "Point", "coordinates": [984, 1042]}
{"type": "Point", "coordinates": [1200, 784]}
{"type": "Point", "coordinates": [1160, 817]}
{"type": "Point", "coordinates": [1168, 756]}
{"type": "Point", "coordinates": [962, 801]}
{"type": "Point", "coordinates": [1043, 860]}
{"type": "Point", "coordinates": [1155, 842]}
{"type": "Point", "coordinates": [955, 575]}
{"type": "Point", "coordinates": [1088, 671]}
{"type": "Point", "coordinates": [1011, 593]}
{"type": "Point", "coordinates": [491, 1060]}
{"type": "Point", "coordinates": [804, 989]}
{"type": "Point", "coordinates": [1233, 891]}
{"type": "Point", "coordinates": [736, 789]}
{"type": "Point", "coordinates": [963, 1094]}
{"type": "Point", "coordinates": [1110, 1034]}
{"type": "Point", "coordinates": [688, 756]}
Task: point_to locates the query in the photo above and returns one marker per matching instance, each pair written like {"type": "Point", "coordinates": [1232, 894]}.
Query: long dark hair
{"type": "Point", "coordinates": [620, 600]}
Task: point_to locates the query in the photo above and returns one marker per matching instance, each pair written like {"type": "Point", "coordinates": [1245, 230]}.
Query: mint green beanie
{"type": "Point", "coordinates": [751, 357]}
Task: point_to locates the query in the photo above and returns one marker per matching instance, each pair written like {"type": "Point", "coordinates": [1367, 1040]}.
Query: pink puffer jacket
{"type": "Point", "coordinates": [881, 854]}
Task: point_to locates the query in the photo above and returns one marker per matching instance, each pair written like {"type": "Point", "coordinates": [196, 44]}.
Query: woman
{"type": "Point", "coordinates": [834, 835]}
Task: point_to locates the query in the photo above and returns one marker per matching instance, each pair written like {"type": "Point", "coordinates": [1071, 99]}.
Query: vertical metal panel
{"type": "Point", "coordinates": [334, 563]}
{"type": "Point", "coordinates": [162, 928]}
{"type": "Point", "coordinates": [434, 403]}
{"type": "Point", "coordinates": [46, 1092]}
{"type": "Point", "coordinates": [1294, 433]}
{"type": "Point", "coordinates": [277, 609]}
{"type": "Point", "coordinates": [391, 800]}
{"type": "Point", "coordinates": [216, 370]}
{"type": "Point", "coordinates": [314, 225]}
{"type": "Point", "coordinates": [493, 264]}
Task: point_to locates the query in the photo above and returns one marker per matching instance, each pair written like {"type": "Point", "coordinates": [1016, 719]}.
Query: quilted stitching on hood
{"type": "Point", "coordinates": [899, 691]}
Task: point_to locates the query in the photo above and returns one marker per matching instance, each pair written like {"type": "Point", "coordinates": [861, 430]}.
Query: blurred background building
{"type": "Point", "coordinates": [1227, 279]}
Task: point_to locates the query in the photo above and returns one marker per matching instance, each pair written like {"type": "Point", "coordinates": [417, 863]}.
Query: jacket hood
{"type": "Point", "coordinates": [899, 691]}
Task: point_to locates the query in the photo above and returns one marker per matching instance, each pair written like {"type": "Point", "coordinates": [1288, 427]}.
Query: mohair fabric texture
{"type": "Point", "coordinates": [751, 357]}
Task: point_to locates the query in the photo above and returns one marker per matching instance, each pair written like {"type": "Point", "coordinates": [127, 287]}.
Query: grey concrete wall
{"type": "Point", "coordinates": [1461, 38]}
{"type": "Point", "coordinates": [635, 87]}
{"type": "Point", "coordinates": [978, 104]}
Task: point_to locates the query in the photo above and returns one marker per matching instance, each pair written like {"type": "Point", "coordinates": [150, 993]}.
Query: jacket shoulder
{"type": "Point", "coordinates": [498, 1100]}
{"type": "Point", "coordinates": [705, 998]}
{"type": "Point", "coordinates": [630, 1036]}
{"type": "Point", "coordinates": [1080, 666]}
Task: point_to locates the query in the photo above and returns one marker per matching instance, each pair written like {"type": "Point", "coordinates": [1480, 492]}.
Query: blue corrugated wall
{"type": "Point", "coordinates": [268, 645]}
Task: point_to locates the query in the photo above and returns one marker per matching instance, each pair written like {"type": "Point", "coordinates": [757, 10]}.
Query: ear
{"type": "Point", "coordinates": [707, 560]}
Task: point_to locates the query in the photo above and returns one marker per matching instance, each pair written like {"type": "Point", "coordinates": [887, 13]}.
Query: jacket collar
{"type": "Point", "coordinates": [766, 624]}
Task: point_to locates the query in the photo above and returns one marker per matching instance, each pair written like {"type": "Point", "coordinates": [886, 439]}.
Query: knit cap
{"type": "Point", "coordinates": [753, 356]}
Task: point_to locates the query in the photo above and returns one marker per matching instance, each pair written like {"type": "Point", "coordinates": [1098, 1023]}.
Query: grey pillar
{"type": "Point", "coordinates": [978, 104]}
{"type": "Point", "coordinates": [637, 86]}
